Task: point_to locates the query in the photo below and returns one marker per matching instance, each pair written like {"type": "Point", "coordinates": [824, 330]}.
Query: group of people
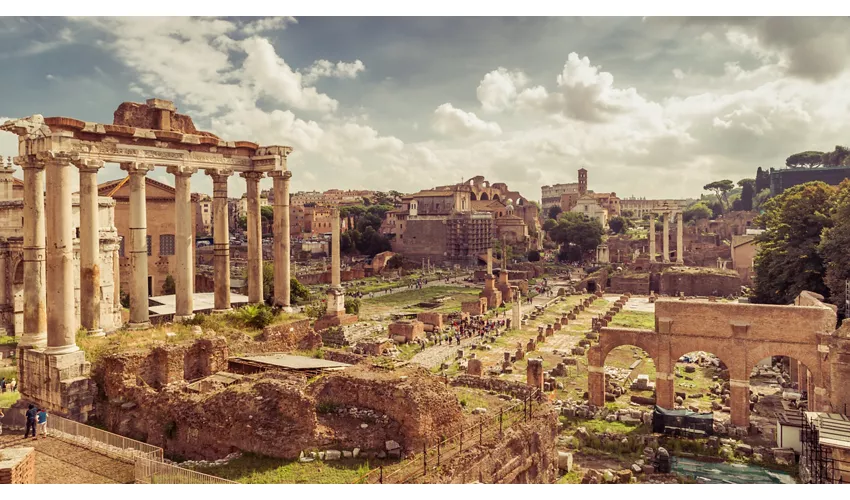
{"type": "Point", "coordinates": [36, 416]}
{"type": "Point", "coordinates": [469, 328]}
{"type": "Point", "coordinates": [11, 385]}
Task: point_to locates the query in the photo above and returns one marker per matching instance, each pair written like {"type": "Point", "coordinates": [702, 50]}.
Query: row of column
{"type": "Point", "coordinates": [665, 257]}
{"type": "Point", "coordinates": [48, 246]}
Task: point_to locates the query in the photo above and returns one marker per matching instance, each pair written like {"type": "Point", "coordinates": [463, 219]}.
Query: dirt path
{"type": "Point", "coordinates": [58, 462]}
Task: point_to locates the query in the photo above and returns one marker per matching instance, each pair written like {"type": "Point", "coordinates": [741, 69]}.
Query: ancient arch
{"type": "Point", "coordinates": [472, 196]}
{"type": "Point", "coordinates": [496, 197]}
{"type": "Point", "coordinates": [741, 335]}
{"type": "Point", "coordinates": [484, 196]}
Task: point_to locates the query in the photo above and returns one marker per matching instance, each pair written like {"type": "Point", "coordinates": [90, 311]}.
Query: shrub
{"type": "Point", "coordinates": [315, 310]}
{"type": "Point", "coordinates": [256, 316]}
{"type": "Point", "coordinates": [326, 407]}
{"type": "Point", "coordinates": [352, 305]}
{"type": "Point", "coordinates": [533, 256]}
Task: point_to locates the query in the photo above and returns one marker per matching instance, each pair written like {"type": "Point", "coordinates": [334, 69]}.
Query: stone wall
{"type": "Point", "coordinates": [420, 402]}
{"type": "Point", "coordinates": [434, 319]}
{"type": "Point", "coordinates": [342, 356]}
{"type": "Point", "coordinates": [293, 336]}
{"type": "Point", "coordinates": [525, 455]}
{"type": "Point", "coordinates": [516, 389]}
{"type": "Point", "coordinates": [17, 466]}
{"type": "Point", "coordinates": [695, 283]}
{"type": "Point", "coordinates": [424, 238]}
{"type": "Point", "coordinates": [638, 284]}
{"type": "Point", "coordinates": [407, 331]}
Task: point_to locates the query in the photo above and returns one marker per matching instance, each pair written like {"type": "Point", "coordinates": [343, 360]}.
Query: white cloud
{"type": "Point", "coordinates": [678, 74]}
{"type": "Point", "coordinates": [268, 24]}
{"type": "Point", "coordinates": [453, 122]}
{"type": "Point", "coordinates": [498, 89]}
{"type": "Point", "coordinates": [324, 68]}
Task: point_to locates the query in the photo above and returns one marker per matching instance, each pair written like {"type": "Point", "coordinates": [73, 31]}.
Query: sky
{"type": "Point", "coordinates": [651, 107]}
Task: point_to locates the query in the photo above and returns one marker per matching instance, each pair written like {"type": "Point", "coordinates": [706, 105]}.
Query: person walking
{"type": "Point", "coordinates": [41, 417]}
{"type": "Point", "coordinates": [3, 384]}
{"type": "Point", "coordinates": [31, 412]}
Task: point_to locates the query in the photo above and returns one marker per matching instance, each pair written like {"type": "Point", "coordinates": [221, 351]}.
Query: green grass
{"type": "Point", "coordinates": [8, 340]}
{"type": "Point", "coordinates": [9, 398]}
{"type": "Point", "coordinates": [256, 469]}
{"type": "Point", "coordinates": [573, 477]}
{"type": "Point", "coordinates": [602, 426]}
{"type": "Point", "coordinates": [401, 301]}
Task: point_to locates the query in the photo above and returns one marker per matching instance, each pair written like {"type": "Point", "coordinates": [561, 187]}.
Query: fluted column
{"type": "Point", "coordinates": [651, 237]}
{"type": "Point", "coordinates": [221, 239]}
{"type": "Point", "coordinates": [184, 278]}
{"type": "Point", "coordinates": [255, 238]}
{"type": "Point", "coordinates": [90, 293]}
{"type": "Point", "coordinates": [665, 243]}
{"type": "Point", "coordinates": [139, 313]}
{"type": "Point", "coordinates": [35, 288]}
{"type": "Point", "coordinates": [680, 249]}
{"type": "Point", "coordinates": [61, 320]}
{"type": "Point", "coordinates": [281, 237]}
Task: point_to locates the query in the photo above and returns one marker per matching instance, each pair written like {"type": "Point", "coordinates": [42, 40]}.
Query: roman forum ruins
{"type": "Point", "coordinates": [666, 214]}
{"type": "Point", "coordinates": [53, 370]}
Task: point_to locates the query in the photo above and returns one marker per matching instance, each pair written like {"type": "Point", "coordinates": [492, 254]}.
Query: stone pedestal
{"type": "Point", "coordinates": [59, 382]}
{"type": "Point", "coordinates": [474, 367]}
{"type": "Point", "coordinates": [335, 314]}
{"type": "Point", "coordinates": [534, 373]}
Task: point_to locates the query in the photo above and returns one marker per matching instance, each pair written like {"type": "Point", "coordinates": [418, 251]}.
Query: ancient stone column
{"type": "Point", "coordinates": [184, 242]}
{"type": "Point", "coordinates": [116, 278]}
{"type": "Point", "coordinates": [335, 257]}
{"type": "Point", "coordinates": [739, 402]}
{"type": "Point", "coordinates": [651, 237]}
{"type": "Point", "coordinates": [489, 261]}
{"type": "Point", "coordinates": [90, 292]}
{"type": "Point", "coordinates": [281, 238]}
{"type": "Point", "coordinates": [680, 249]}
{"type": "Point", "coordinates": [221, 239]}
{"type": "Point", "coordinates": [517, 311]}
{"type": "Point", "coordinates": [139, 313]}
{"type": "Point", "coordinates": [534, 373]}
{"type": "Point", "coordinates": [61, 320]}
{"type": "Point", "coordinates": [35, 291]}
{"type": "Point", "coordinates": [255, 238]}
{"type": "Point", "coordinates": [6, 180]}
{"type": "Point", "coordinates": [665, 242]}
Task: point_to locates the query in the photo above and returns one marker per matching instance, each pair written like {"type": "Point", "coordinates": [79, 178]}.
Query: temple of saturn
{"type": "Point", "coordinates": [666, 214]}
{"type": "Point", "coordinates": [53, 371]}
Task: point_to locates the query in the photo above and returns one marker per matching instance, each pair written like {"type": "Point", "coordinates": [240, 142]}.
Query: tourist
{"type": "Point", "coordinates": [14, 385]}
{"type": "Point", "coordinates": [41, 416]}
{"type": "Point", "coordinates": [31, 412]}
{"type": "Point", "coordinates": [1, 421]}
{"type": "Point", "coordinates": [3, 384]}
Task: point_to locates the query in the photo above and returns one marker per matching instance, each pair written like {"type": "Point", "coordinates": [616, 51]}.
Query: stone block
{"type": "Point", "coordinates": [408, 330]}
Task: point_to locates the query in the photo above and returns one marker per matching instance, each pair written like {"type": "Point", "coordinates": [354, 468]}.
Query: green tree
{"type": "Point", "coordinates": [835, 241]}
{"type": "Point", "coordinates": [352, 305]}
{"type": "Point", "coordinates": [788, 261]}
{"type": "Point", "coordinates": [168, 286]}
{"type": "Point", "coordinates": [267, 213]}
{"type": "Point", "coordinates": [533, 256]}
{"type": "Point", "coordinates": [721, 190]}
{"type": "Point", "coordinates": [808, 159]}
{"type": "Point", "coordinates": [619, 224]}
{"type": "Point", "coordinates": [395, 262]}
{"type": "Point", "coordinates": [242, 222]}
{"type": "Point", "coordinates": [838, 158]}
{"type": "Point", "coordinates": [761, 198]}
{"type": "Point", "coordinates": [549, 224]}
{"type": "Point", "coordinates": [762, 180]}
{"type": "Point", "coordinates": [697, 211]}
{"type": "Point", "coordinates": [576, 229]}
{"type": "Point", "coordinates": [747, 193]}
{"type": "Point", "coordinates": [554, 211]}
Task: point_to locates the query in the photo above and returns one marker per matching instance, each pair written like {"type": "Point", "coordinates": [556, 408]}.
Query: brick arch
{"type": "Point", "coordinates": [808, 357]}
{"type": "Point", "coordinates": [737, 368]}
{"type": "Point", "coordinates": [611, 338]}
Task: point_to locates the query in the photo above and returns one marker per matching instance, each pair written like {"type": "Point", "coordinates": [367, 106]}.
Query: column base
{"type": "Point", "coordinates": [680, 262]}
{"type": "Point", "coordinates": [139, 326]}
{"type": "Point", "coordinates": [183, 317]}
{"type": "Point", "coordinates": [65, 349]}
{"type": "Point", "coordinates": [98, 332]}
{"type": "Point", "coordinates": [33, 340]}
{"type": "Point", "coordinates": [287, 309]}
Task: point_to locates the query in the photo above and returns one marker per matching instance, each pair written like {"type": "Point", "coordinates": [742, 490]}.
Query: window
{"type": "Point", "coordinates": [121, 246]}
{"type": "Point", "coordinates": [150, 246]}
{"type": "Point", "coordinates": [166, 244]}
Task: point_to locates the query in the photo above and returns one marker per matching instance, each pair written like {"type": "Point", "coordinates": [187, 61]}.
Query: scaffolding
{"type": "Point", "coordinates": [825, 441]}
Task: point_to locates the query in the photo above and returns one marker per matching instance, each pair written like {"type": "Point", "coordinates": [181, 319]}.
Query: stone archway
{"type": "Point", "coordinates": [484, 197]}
{"type": "Point", "coordinates": [496, 197]}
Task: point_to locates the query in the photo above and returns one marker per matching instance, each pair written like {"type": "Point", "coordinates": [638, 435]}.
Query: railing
{"type": "Point", "coordinates": [418, 467]}
{"type": "Point", "coordinates": [113, 445]}
{"type": "Point", "coordinates": [147, 459]}
{"type": "Point", "coordinates": [156, 472]}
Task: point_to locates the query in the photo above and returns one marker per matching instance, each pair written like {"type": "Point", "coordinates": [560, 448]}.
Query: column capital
{"type": "Point", "coordinates": [87, 164]}
{"type": "Point", "coordinates": [137, 168]}
{"type": "Point", "coordinates": [46, 157]}
{"type": "Point", "coordinates": [220, 175]}
{"type": "Point", "coordinates": [252, 176]}
{"type": "Point", "coordinates": [284, 174]}
{"type": "Point", "coordinates": [182, 171]}
{"type": "Point", "coordinates": [28, 161]}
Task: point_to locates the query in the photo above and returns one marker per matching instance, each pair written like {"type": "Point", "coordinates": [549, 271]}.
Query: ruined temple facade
{"type": "Point", "coordinates": [53, 370]}
{"type": "Point", "coordinates": [12, 261]}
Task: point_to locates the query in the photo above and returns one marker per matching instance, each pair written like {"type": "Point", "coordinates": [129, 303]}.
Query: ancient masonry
{"type": "Point", "coordinates": [53, 370]}
{"type": "Point", "coordinates": [665, 213]}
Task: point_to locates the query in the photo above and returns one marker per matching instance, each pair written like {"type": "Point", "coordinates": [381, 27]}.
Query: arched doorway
{"type": "Point", "coordinates": [629, 377]}
{"type": "Point", "coordinates": [778, 384]}
{"type": "Point", "coordinates": [496, 197]}
{"type": "Point", "coordinates": [701, 383]}
{"type": "Point", "coordinates": [591, 286]}
{"type": "Point", "coordinates": [483, 197]}
{"type": "Point", "coordinates": [473, 197]}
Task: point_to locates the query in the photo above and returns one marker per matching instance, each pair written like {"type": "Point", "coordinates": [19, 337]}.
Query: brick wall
{"type": "Point", "coordinates": [699, 284]}
{"type": "Point", "coordinates": [17, 466]}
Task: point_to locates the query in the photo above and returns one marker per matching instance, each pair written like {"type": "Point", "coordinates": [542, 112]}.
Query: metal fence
{"type": "Point", "coordinates": [147, 459]}
{"type": "Point", "coordinates": [101, 441]}
{"type": "Point", "coordinates": [156, 472]}
{"type": "Point", "coordinates": [418, 467]}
